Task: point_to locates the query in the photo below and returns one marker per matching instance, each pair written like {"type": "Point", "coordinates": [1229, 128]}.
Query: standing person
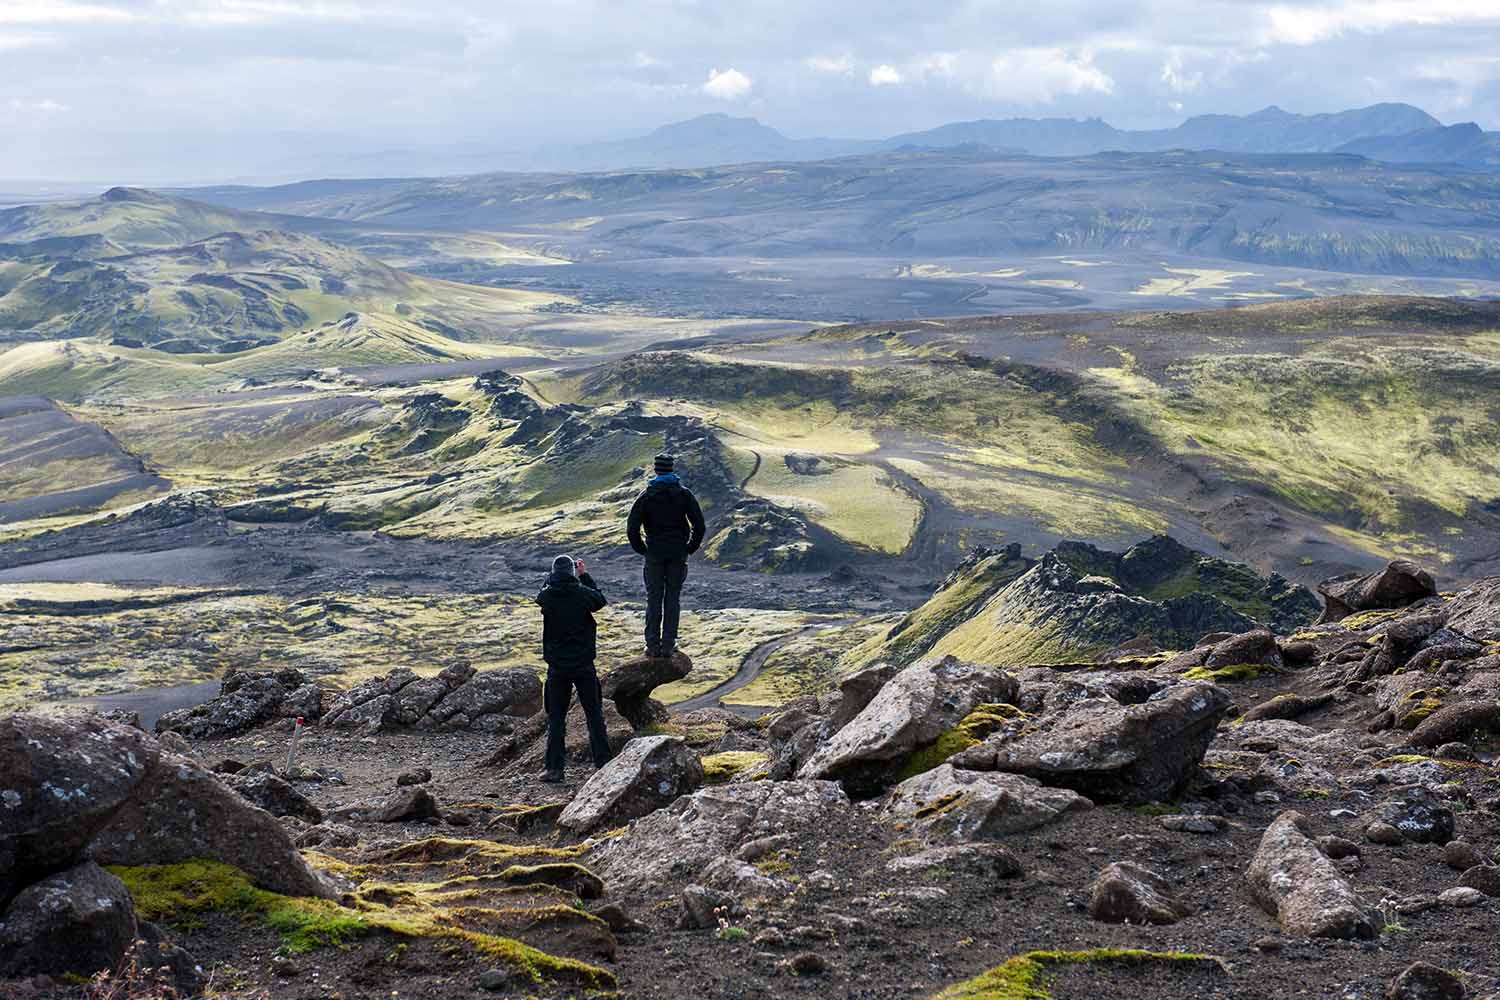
{"type": "Point", "coordinates": [568, 601]}
{"type": "Point", "coordinates": [673, 524]}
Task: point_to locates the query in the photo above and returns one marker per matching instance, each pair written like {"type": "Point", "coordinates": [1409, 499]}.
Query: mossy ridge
{"type": "Point", "coordinates": [1023, 977]}
{"type": "Point", "coordinates": [971, 731]}
{"type": "Point", "coordinates": [719, 768]}
{"type": "Point", "coordinates": [165, 892]}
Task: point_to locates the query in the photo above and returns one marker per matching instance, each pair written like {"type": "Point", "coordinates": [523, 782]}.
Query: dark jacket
{"type": "Point", "coordinates": [568, 631]}
{"type": "Point", "coordinates": [672, 520]}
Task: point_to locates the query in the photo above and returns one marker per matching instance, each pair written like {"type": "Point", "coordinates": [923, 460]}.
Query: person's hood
{"type": "Point", "coordinates": [668, 482]}
{"type": "Point", "coordinates": [561, 580]}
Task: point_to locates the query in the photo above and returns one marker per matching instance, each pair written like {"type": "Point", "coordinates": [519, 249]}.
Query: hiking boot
{"type": "Point", "coordinates": [552, 777]}
{"type": "Point", "coordinates": [652, 653]}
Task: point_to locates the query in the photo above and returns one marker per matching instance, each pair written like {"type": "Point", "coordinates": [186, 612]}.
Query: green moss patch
{"type": "Point", "coordinates": [1024, 976]}
{"type": "Point", "coordinates": [975, 726]}
{"type": "Point", "coordinates": [175, 893]}
{"type": "Point", "coordinates": [719, 768]}
{"type": "Point", "coordinates": [1233, 672]}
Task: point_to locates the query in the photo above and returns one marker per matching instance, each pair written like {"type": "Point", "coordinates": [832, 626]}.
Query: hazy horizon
{"type": "Point", "coordinates": [198, 91]}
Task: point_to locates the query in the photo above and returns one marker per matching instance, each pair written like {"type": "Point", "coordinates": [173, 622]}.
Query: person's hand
{"type": "Point", "coordinates": [583, 567]}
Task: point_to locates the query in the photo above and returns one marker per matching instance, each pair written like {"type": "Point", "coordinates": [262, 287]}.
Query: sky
{"type": "Point", "coordinates": [163, 91]}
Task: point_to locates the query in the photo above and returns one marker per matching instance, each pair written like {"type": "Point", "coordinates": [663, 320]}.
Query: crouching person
{"type": "Point", "coordinates": [568, 601]}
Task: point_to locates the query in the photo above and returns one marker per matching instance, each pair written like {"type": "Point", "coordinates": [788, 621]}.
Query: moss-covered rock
{"type": "Point", "coordinates": [1024, 977]}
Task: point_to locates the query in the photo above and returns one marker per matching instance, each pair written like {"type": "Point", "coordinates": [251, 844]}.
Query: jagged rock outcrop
{"type": "Point", "coordinates": [458, 698]}
{"type": "Point", "coordinates": [1111, 752]}
{"type": "Point", "coordinates": [1079, 602]}
{"type": "Point", "coordinates": [1399, 584]}
{"type": "Point", "coordinates": [247, 699]}
{"type": "Point", "coordinates": [630, 684]}
{"type": "Point", "coordinates": [1292, 880]}
{"type": "Point", "coordinates": [759, 535]}
{"type": "Point", "coordinates": [651, 772]}
{"type": "Point", "coordinates": [912, 710]}
{"type": "Point", "coordinates": [946, 804]}
{"type": "Point", "coordinates": [1127, 893]}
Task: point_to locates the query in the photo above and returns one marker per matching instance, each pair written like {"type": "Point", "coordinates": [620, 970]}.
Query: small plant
{"type": "Point", "coordinates": [130, 981]}
{"type": "Point", "coordinates": [728, 931]}
{"type": "Point", "coordinates": [1390, 917]}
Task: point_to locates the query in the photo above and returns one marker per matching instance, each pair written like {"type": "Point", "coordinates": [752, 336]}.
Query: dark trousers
{"type": "Point", "coordinates": [664, 578]}
{"type": "Point", "coordinates": [557, 696]}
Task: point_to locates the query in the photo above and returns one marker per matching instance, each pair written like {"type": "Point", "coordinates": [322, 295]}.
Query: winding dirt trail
{"type": "Point", "coordinates": [751, 667]}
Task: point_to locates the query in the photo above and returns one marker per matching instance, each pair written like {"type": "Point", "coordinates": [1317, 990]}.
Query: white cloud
{"type": "Point", "coordinates": [835, 65]}
{"type": "Point", "coordinates": [1303, 25]}
{"type": "Point", "coordinates": [1040, 75]}
{"type": "Point", "coordinates": [45, 105]}
{"type": "Point", "coordinates": [1173, 76]}
{"type": "Point", "coordinates": [57, 12]}
{"type": "Point", "coordinates": [645, 60]}
{"type": "Point", "coordinates": [884, 75]}
{"type": "Point", "coordinates": [728, 85]}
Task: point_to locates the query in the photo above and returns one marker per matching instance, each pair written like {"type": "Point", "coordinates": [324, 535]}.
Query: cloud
{"type": "Point", "coordinates": [1041, 75]}
{"type": "Point", "coordinates": [1175, 78]}
{"type": "Point", "coordinates": [729, 85]}
{"type": "Point", "coordinates": [1308, 25]}
{"type": "Point", "coordinates": [43, 105]}
{"type": "Point", "coordinates": [834, 65]}
{"type": "Point", "coordinates": [178, 90]}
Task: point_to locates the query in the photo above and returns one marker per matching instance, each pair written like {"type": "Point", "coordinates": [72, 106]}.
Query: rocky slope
{"type": "Point", "coordinates": [1256, 815]}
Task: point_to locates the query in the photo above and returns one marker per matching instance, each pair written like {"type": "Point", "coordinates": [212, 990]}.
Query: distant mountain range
{"type": "Point", "coordinates": [1389, 131]}
{"type": "Point", "coordinates": [1393, 132]}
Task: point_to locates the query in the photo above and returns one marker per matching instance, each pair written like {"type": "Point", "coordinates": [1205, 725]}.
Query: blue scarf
{"type": "Point", "coordinates": [666, 480]}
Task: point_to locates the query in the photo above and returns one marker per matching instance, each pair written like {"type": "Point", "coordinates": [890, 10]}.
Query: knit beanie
{"type": "Point", "coordinates": [564, 565]}
{"type": "Point", "coordinates": [663, 464]}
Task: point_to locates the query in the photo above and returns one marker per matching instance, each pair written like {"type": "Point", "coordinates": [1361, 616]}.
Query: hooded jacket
{"type": "Point", "coordinates": [670, 517]}
{"type": "Point", "coordinates": [569, 636]}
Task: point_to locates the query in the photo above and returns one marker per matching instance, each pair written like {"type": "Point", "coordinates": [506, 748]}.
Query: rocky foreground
{"type": "Point", "coordinates": [1305, 812]}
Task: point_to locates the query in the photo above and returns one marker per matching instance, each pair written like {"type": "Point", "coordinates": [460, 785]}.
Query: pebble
{"type": "Point", "coordinates": [285, 967]}
{"type": "Point", "coordinates": [1194, 824]}
{"type": "Point", "coordinates": [1384, 834]}
{"type": "Point", "coordinates": [416, 776]}
{"type": "Point", "coordinates": [771, 937]}
{"type": "Point", "coordinates": [494, 980]}
{"type": "Point", "coordinates": [1342, 814]}
{"type": "Point", "coordinates": [1461, 855]}
{"type": "Point", "coordinates": [1267, 798]}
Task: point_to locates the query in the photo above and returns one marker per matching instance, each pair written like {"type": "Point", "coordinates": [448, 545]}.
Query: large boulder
{"type": "Point", "coordinates": [1130, 754]}
{"type": "Point", "coordinates": [76, 922]}
{"type": "Point", "coordinates": [630, 684]}
{"type": "Point", "coordinates": [181, 811]}
{"type": "Point", "coordinates": [1292, 880]}
{"type": "Point", "coordinates": [1256, 647]}
{"type": "Point", "coordinates": [1420, 981]}
{"type": "Point", "coordinates": [677, 842]}
{"type": "Point", "coordinates": [1126, 893]}
{"type": "Point", "coordinates": [246, 699]}
{"type": "Point", "coordinates": [911, 711]}
{"type": "Point", "coordinates": [61, 779]}
{"type": "Point", "coordinates": [649, 773]}
{"type": "Point", "coordinates": [1399, 584]}
{"type": "Point", "coordinates": [1456, 723]}
{"type": "Point", "coordinates": [946, 804]}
